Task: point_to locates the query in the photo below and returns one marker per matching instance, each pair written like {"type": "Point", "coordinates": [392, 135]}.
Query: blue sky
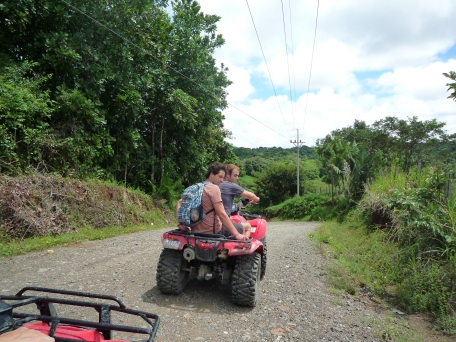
{"type": "Point", "coordinates": [371, 59]}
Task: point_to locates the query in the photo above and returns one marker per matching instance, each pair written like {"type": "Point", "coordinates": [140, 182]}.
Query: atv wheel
{"type": "Point", "coordinates": [264, 258]}
{"type": "Point", "coordinates": [171, 278]}
{"type": "Point", "coordinates": [246, 279]}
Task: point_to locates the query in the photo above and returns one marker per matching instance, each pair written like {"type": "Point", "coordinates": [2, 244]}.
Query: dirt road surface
{"type": "Point", "coordinates": [295, 303]}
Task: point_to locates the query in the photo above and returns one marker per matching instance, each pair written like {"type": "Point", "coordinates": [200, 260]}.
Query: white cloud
{"type": "Point", "coordinates": [424, 83]}
{"type": "Point", "coordinates": [241, 87]}
{"type": "Point", "coordinates": [397, 45]}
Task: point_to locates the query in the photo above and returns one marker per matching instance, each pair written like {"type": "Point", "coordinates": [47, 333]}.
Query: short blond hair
{"type": "Point", "coordinates": [231, 167]}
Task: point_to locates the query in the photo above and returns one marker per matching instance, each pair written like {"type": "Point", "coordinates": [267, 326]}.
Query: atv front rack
{"type": "Point", "coordinates": [11, 319]}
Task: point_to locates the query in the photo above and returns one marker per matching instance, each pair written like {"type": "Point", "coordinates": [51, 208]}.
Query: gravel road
{"type": "Point", "coordinates": [295, 302]}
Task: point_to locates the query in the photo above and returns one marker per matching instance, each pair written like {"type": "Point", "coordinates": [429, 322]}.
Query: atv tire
{"type": "Point", "coordinates": [246, 279]}
{"type": "Point", "coordinates": [171, 278]}
{"type": "Point", "coordinates": [264, 258]}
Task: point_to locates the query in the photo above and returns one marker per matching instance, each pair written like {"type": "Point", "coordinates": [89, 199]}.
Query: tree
{"type": "Point", "coordinates": [355, 154]}
{"type": "Point", "coordinates": [277, 183]}
{"type": "Point", "coordinates": [409, 140]}
{"type": "Point", "coordinates": [451, 86]}
{"type": "Point", "coordinates": [141, 106]}
{"type": "Point", "coordinates": [333, 153]}
{"type": "Point", "coordinates": [255, 165]}
{"type": "Point", "coordinates": [24, 110]}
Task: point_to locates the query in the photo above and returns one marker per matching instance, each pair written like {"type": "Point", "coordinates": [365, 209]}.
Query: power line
{"type": "Point", "coordinates": [267, 67]}
{"type": "Point", "coordinates": [170, 67]}
{"type": "Point", "coordinates": [292, 51]}
{"type": "Point", "coordinates": [311, 62]}
{"type": "Point", "coordinates": [256, 120]}
{"type": "Point", "coordinates": [288, 65]}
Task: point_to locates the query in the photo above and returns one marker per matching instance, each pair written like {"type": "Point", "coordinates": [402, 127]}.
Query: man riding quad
{"type": "Point", "coordinates": [216, 220]}
{"type": "Point", "coordinates": [208, 245]}
{"type": "Point", "coordinates": [230, 189]}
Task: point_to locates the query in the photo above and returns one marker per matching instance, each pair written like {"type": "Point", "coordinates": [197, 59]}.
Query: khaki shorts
{"type": "Point", "coordinates": [225, 232]}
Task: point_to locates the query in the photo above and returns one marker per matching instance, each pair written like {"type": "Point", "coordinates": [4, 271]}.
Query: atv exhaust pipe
{"type": "Point", "coordinates": [189, 254]}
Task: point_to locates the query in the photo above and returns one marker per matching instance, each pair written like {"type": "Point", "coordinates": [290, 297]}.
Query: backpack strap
{"type": "Point", "coordinates": [210, 211]}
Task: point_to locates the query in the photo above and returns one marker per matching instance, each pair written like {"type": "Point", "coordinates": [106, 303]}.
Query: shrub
{"type": "Point", "coordinates": [425, 288]}
{"type": "Point", "coordinates": [308, 207]}
{"type": "Point", "coordinates": [413, 208]}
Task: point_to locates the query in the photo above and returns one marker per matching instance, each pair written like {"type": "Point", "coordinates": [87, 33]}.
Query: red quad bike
{"type": "Point", "coordinates": [190, 255]}
{"type": "Point", "coordinates": [15, 311]}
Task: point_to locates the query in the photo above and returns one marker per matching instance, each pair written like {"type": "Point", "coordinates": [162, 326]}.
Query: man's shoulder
{"type": "Point", "coordinates": [211, 188]}
{"type": "Point", "coordinates": [230, 185]}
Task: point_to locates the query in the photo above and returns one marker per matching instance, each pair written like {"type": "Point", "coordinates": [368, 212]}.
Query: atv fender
{"type": "Point", "coordinates": [258, 228]}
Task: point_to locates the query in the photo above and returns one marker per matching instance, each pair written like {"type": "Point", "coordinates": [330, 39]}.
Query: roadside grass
{"type": "Point", "coordinates": [337, 302]}
{"type": "Point", "coordinates": [335, 292]}
{"type": "Point", "coordinates": [364, 262]}
{"type": "Point", "coordinates": [36, 244]}
{"type": "Point", "coordinates": [361, 259]}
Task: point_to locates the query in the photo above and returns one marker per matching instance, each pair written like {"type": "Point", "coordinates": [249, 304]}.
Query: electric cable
{"type": "Point", "coordinates": [267, 67]}
{"type": "Point", "coordinates": [150, 54]}
{"type": "Point", "coordinates": [292, 51]}
{"type": "Point", "coordinates": [311, 63]}
{"type": "Point", "coordinates": [257, 120]}
{"type": "Point", "coordinates": [288, 64]}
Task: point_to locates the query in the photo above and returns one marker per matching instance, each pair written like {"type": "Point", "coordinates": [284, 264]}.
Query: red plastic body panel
{"type": "Point", "coordinates": [258, 225]}
{"type": "Point", "coordinates": [237, 218]}
{"type": "Point", "coordinates": [70, 332]}
{"type": "Point", "coordinates": [234, 247]}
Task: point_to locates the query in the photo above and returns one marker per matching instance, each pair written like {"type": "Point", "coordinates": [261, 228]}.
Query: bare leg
{"type": "Point", "coordinates": [247, 228]}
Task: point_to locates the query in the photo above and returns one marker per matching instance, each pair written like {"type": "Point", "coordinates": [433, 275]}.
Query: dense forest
{"type": "Point", "coordinates": [274, 153]}
{"type": "Point", "coordinates": [126, 91]}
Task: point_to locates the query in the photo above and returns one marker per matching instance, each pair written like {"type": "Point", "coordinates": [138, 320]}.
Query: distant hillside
{"type": "Point", "coordinates": [274, 153]}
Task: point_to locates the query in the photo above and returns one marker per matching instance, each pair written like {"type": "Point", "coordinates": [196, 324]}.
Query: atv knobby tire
{"type": "Point", "coordinates": [246, 279]}
{"type": "Point", "coordinates": [171, 278]}
{"type": "Point", "coordinates": [264, 258]}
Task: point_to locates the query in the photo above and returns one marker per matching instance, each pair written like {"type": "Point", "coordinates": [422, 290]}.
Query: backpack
{"type": "Point", "coordinates": [191, 211]}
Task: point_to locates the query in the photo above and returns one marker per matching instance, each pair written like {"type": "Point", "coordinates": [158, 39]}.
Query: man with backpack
{"type": "Point", "coordinates": [213, 218]}
{"type": "Point", "coordinates": [229, 189]}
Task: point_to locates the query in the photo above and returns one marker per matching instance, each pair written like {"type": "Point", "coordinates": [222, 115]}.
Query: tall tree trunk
{"type": "Point", "coordinates": [152, 144]}
{"type": "Point", "coordinates": [162, 161]}
{"type": "Point", "coordinates": [125, 174]}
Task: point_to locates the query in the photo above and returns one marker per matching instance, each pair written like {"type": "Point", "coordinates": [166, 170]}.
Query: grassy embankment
{"type": "Point", "coordinates": [398, 245]}
{"type": "Point", "coordinates": [406, 255]}
{"type": "Point", "coordinates": [39, 212]}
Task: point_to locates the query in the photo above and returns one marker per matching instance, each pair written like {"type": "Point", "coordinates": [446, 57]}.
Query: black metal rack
{"type": "Point", "coordinates": [11, 318]}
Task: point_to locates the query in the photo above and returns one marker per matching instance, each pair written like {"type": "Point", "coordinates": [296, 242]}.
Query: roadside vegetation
{"type": "Point", "coordinates": [398, 245]}
{"type": "Point", "coordinates": [389, 213]}
{"type": "Point", "coordinates": [39, 212]}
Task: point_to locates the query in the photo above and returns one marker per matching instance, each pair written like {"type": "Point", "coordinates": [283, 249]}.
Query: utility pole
{"type": "Point", "coordinates": [297, 143]}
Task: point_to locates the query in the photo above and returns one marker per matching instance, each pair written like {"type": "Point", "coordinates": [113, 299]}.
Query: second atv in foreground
{"type": "Point", "coordinates": [37, 311]}
{"type": "Point", "coordinates": [189, 255]}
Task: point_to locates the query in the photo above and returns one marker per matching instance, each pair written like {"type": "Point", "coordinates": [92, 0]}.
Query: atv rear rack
{"type": "Point", "coordinates": [11, 319]}
{"type": "Point", "coordinates": [218, 237]}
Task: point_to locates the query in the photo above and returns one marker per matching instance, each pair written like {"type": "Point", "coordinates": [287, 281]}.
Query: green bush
{"type": "Point", "coordinates": [413, 208]}
{"type": "Point", "coordinates": [425, 288]}
{"type": "Point", "coordinates": [308, 207]}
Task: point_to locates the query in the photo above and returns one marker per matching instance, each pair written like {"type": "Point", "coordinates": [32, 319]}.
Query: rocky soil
{"type": "Point", "coordinates": [295, 304]}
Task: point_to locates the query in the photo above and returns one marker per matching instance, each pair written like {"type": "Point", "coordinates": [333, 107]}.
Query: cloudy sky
{"type": "Point", "coordinates": [371, 59]}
